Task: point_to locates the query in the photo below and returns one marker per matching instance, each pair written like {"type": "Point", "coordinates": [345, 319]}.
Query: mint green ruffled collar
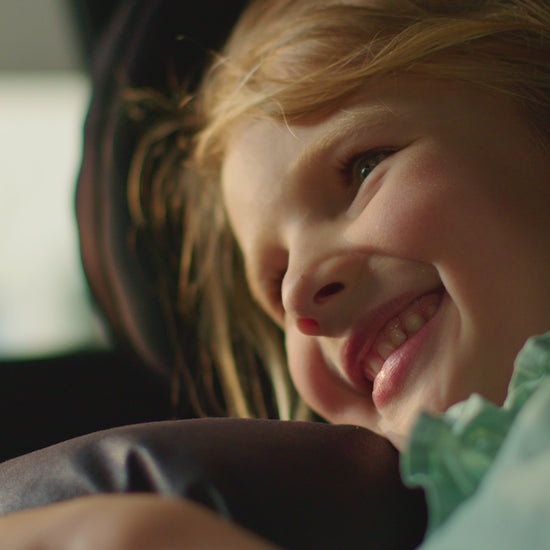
{"type": "Point", "coordinates": [449, 454]}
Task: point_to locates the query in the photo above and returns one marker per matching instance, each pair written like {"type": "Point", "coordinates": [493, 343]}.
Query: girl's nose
{"type": "Point", "coordinates": [319, 296]}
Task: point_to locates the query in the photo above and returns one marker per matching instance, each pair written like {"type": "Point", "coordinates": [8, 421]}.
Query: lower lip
{"type": "Point", "coordinates": [391, 379]}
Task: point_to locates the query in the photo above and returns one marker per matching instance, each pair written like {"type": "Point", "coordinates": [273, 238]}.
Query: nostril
{"type": "Point", "coordinates": [327, 291]}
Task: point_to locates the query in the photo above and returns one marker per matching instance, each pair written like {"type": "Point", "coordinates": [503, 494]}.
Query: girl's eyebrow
{"type": "Point", "coordinates": [363, 120]}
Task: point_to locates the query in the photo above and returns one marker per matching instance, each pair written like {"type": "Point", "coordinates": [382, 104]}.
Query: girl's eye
{"type": "Point", "coordinates": [359, 167]}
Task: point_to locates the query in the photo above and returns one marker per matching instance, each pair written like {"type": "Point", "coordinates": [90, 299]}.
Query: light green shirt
{"type": "Point", "coordinates": [486, 469]}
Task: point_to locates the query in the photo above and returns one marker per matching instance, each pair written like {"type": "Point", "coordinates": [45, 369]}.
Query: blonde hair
{"type": "Point", "coordinates": [296, 61]}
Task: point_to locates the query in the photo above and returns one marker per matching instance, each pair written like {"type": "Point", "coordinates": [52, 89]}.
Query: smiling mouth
{"type": "Point", "coordinates": [397, 331]}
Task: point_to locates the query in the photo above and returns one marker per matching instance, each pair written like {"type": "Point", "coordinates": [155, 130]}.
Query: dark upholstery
{"type": "Point", "coordinates": [47, 400]}
{"type": "Point", "coordinates": [301, 485]}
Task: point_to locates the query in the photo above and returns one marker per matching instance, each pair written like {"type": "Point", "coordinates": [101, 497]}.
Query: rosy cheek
{"type": "Point", "coordinates": [402, 227]}
{"type": "Point", "coordinates": [318, 384]}
{"type": "Point", "coordinates": [409, 216]}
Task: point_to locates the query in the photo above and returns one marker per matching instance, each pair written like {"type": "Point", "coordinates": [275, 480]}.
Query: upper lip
{"type": "Point", "coordinates": [363, 335]}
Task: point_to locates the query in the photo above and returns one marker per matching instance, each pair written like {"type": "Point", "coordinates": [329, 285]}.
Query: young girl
{"type": "Point", "coordinates": [384, 170]}
{"type": "Point", "coordinates": [370, 179]}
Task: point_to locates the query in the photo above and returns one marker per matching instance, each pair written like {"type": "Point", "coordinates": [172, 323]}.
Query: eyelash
{"type": "Point", "coordinates": [349, 165]}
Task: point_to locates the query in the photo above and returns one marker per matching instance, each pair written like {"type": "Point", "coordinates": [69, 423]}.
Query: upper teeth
{"type": "Point", "coordinates": [396, 336]}
{"type": "Point", "coordinates": [412, 322]}
{"type": "Point", "coordinates": [400, 329]}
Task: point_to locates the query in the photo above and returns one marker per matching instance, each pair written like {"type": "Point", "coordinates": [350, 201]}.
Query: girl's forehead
{"type": "Point", "coordinates": [374, 107]}
{"type": "Point", "coordinates": [267, 134]}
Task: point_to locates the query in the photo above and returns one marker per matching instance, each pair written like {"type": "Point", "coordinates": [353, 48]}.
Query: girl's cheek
{"type": "Point", "coordinates": [325, 391]}
{"type": "Point", "coordinates": [401, 223]}
{"type": "Point", "coordinates": [302, 358]}
{"type": "Point", "coordinates": [316, 380]}
{"type": "Point", "coordinates": [415, 213]}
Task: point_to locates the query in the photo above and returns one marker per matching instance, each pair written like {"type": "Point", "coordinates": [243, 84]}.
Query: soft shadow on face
{"type": "Point", "coordinates": [423, 204]}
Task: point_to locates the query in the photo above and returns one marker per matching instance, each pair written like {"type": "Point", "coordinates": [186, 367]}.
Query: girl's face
{"type": "Point", "coordinates": [403, 244]}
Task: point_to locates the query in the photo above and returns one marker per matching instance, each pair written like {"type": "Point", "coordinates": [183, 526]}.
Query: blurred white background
{"type": "Point", "coordinates": [44, 91]}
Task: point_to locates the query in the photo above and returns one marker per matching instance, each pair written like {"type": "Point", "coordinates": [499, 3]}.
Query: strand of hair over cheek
{"type": "Point", "coordinates": [221, 345]}
{"type": "Point", "coordinates": [238, 332]}
{"type": "Point", "coordinates": [163, 184]}
{"type": "Point", "coordinates": [267, 340]}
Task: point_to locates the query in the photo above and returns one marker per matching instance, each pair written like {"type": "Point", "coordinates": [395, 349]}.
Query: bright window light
{"type": "Point", "coordinates": [44, 303]}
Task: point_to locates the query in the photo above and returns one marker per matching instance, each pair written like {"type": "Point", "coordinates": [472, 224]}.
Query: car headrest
{"type": "Point", "coordinates": [144, 42]}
